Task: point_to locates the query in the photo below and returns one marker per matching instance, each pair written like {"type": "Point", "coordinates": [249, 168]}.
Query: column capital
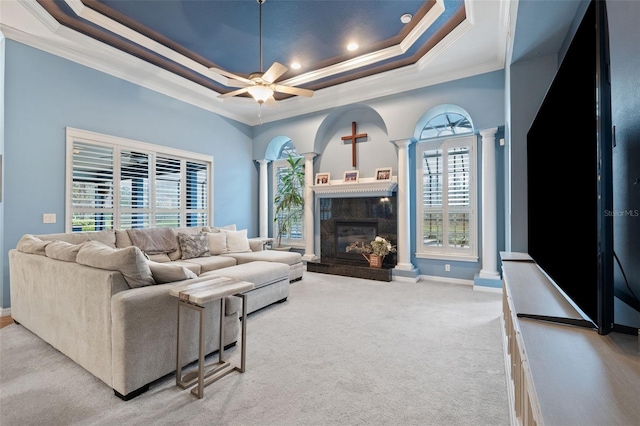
{"type": "Point", "coordinates": [263, 162]}
{"type": "Point", "coordinates": [309, 155]}
{"type": "Point", "coordinates": [403, 143]}
{"type": "Point", "coordinates": [487, 133]}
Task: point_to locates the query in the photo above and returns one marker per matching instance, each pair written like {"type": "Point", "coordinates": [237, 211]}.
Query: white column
{"type": "Point", "coordinates": [308, 206]}
{"type": "Point", "coordinates": [489, 218]}
{"type": "Point", "coordinates": [404, 232]}
{"type": "Point", "coordinates": [263, 208]}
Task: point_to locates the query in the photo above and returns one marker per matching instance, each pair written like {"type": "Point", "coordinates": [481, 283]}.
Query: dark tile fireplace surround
{"type": "Point", "coordinates": [348, 223]}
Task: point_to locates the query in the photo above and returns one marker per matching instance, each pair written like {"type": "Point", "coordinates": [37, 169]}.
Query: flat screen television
{"type": "Point", "coordinates": [569, 175]}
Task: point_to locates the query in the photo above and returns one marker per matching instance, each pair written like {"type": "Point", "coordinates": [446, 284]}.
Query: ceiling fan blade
{"type": "Point", "coordinates": [274, 71]}
{"type": "Point", "coordinates": [293, 90]}
{"type": "Point", "coordinates": [234, 93]}
{"type": "Point", "coordinates": [230, 75]}
{"type": "Point", "coordinates": [271, 102]}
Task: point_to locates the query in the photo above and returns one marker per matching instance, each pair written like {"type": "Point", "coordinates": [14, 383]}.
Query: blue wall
{"type": "Point", "coordinates": [45, 93]}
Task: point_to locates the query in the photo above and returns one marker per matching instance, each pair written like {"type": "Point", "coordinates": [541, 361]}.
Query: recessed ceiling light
{"type": "Point", "coordinates": [352, 46]}
{"type": "Point", "coordinates": [295, 65]}
{"type": "Point", "coordinates": [406, 18]}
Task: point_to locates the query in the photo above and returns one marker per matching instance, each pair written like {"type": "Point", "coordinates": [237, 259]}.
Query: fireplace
{"type": "Point", "coordinates": [351, 238]}
{"type": "Point", "coordinates": [346, 225]}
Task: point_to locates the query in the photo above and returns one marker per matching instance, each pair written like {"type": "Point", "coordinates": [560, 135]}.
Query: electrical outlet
{"type": "Point", "coordinates": [49, 218]}
{"type": "Point", "coordinates": [447, 267]}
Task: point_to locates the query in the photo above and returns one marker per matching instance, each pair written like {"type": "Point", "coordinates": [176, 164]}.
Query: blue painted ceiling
{"type": "Point", "coordinates": [225, 33]}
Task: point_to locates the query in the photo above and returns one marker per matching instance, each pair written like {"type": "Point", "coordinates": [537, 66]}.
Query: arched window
{"type": "Point", "coordinates": [287, 149]}
{"type": "Point", "coordinates": [446, 167]}
{"type": "Point", "coordinates": [448, 123]}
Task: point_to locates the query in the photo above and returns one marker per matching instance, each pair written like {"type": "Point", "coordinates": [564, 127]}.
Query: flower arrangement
{"type": "Point", "coordinates": [382, 247]}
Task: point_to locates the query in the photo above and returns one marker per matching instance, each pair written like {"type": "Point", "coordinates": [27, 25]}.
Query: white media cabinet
{"type": "Point", "coordinates": [561, 374]}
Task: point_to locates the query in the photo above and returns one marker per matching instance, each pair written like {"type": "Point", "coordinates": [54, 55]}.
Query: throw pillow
{"type": "Point", "coordinates": [62, 250]}
{"type": "Point", "coordinates": [193, 245]}
{"type": "Point", "coordinates": [237, 241]}
{"type": "Point", "coordinates": [32, 244]}
{"type": "Point", "coordinates": [129, 261]}
{"type": "Point", "coordinates": [167, 273]}
{"type": "Point", "coordinates": [217, 242]}
{"type": "Point", "coordinates": [177, 255]}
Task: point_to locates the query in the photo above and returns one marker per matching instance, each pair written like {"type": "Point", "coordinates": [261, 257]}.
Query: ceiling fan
{"type": "Point", "coordinates": [261, 85]}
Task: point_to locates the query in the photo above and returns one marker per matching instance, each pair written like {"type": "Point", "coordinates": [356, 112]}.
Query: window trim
{"type": "Point", "coordinates": [275, 164]}
{"type": "Point", "coordinates": [118, 144]}
{"type": "Point", "coordinates": [444, 143]}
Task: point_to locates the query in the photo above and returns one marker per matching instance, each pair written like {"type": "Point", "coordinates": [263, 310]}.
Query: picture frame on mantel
{"type": "Point", "coordinates": [323, 178]}
{"type": "Point", "coordinates": [351, 176]}
{"type": "Point", "coordinates": [384, 173]}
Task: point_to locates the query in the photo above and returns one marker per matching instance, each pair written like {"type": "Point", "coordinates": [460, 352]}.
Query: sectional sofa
{"type": "Point", "coordinates": [102, 297]}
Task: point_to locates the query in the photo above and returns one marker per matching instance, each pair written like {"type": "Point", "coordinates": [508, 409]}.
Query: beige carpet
{"type": "Point", "coordinates": [340, 351]}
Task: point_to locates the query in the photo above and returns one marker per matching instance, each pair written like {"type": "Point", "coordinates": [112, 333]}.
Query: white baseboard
{"type": "Point", "coordinates": [487, 289]}
{"type": "Point", "coordinates": [5, 312]}
{"type": "Point", "coordinates": [447, 280]}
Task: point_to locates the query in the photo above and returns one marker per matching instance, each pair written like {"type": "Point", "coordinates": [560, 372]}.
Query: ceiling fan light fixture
{"type": "Point", "coordinates": [260, 93]}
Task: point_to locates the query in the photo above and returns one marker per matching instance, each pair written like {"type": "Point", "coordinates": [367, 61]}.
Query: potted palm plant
{"type": "Point", "coordinates": [289, 199]}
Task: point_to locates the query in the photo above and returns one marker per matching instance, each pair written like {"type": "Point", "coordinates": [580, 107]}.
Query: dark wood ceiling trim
{"type": "Point", "coordinates": [147, 32]}
{"type": "Point", "coordinates": [131, 48]}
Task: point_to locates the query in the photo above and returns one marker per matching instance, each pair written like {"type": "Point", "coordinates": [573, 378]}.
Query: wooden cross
{"type": "Point", "coordinates": [353, 138]}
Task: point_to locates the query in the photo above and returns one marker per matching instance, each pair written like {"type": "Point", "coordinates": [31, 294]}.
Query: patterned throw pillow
{"type": "Point", "coordinates": [193, 245]}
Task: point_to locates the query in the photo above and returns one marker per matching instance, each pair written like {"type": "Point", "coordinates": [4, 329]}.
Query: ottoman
{"type": "Point", "coordinates": [270, 280]}
{"type": "Point", "coordinates": [293, 259]}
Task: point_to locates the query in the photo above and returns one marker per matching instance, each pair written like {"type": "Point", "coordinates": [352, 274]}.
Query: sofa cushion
{"type": "Point", "coordinates": [167, 273]}
{"type": "Point", "coordinates": [217, 242]}
{"type": "Point", "coordinates": [258, 273]}
{"type": "Point", "coordinates": [288, 257]}
{"type": "Point", "coordinates": [211, 263]}
{"type": "Point", "coordinates": [32, 244]}
{"type": "Point", "coordinates": [237, 241]}
{"type": "Point", "coordinates": [62, 250]}
{"type": "Point", "coordinates": [129, 261]}
{"type": "Point", "coordinates": [192, 266]}
{"type": "Point", "coordinates": [106, 237]}
{"type": "Point", "coordinates": [122, 239]}
{"type": "Point", "coordinates": [193, 245]}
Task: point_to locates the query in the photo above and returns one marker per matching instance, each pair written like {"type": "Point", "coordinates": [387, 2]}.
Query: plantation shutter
{"type": "Point", "coordinates": [135, 193]}
{"type": "Point", "coordinates": [197, 197]}
{"type": "Point", "coordinates": [92, 191]}
{"type": "Point", "coordinates": [168, 192]}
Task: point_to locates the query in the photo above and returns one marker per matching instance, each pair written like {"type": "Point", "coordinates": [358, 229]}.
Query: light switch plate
{"type": "Point", "coordinates": [49, 218]}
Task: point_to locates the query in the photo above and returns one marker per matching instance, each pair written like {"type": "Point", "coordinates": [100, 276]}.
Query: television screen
{"type": "Point", "coordinates": [569, 174]}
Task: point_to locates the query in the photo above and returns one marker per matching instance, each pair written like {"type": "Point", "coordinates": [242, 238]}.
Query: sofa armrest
{"type": "Point", "coordinates": [256, 244]}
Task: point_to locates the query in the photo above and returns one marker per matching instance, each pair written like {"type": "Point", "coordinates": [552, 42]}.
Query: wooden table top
{"type": "Point", "coordinates": [206, 291]}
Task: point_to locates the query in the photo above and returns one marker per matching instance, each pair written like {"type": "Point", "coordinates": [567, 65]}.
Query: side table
{"type": "Point", "coordinates": [194, 296]}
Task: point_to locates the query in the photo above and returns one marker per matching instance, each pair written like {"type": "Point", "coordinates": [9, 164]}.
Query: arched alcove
{"type": "Point", "coordinates": [373, 151]}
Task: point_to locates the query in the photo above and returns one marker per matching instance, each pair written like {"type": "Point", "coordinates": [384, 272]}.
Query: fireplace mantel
{"type": "Point", "coordinates": [365, 187]}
